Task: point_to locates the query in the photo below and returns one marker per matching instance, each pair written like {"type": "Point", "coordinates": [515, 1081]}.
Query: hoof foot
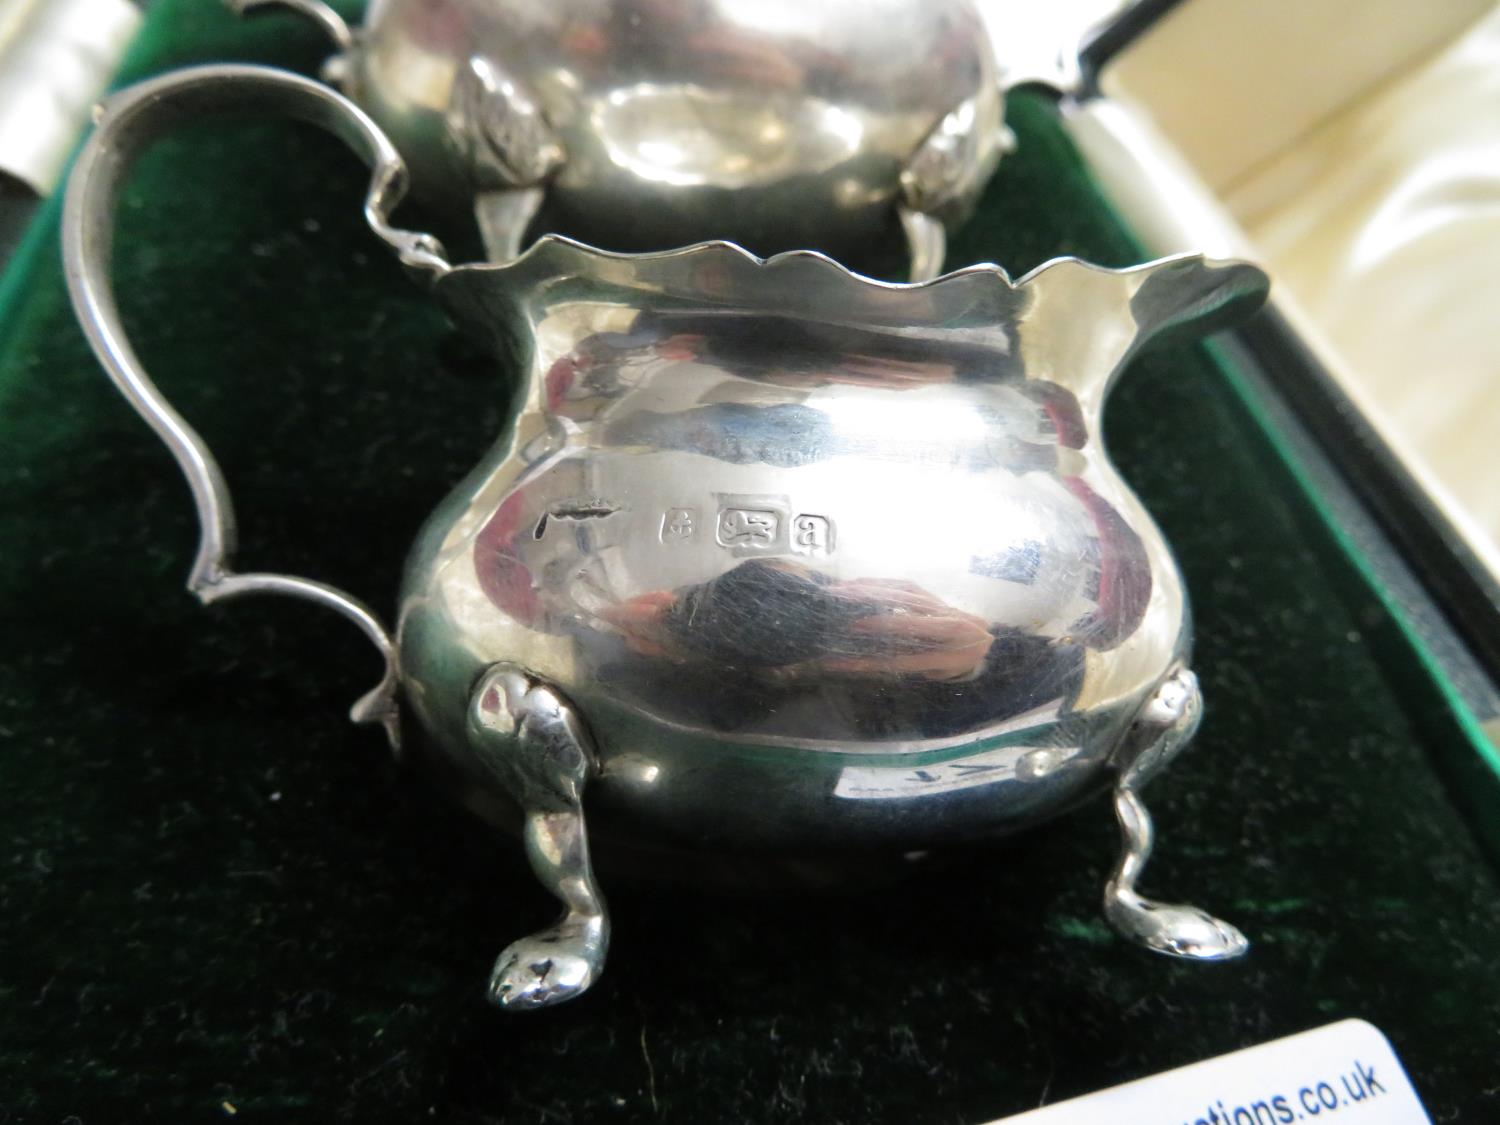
{"type": "Point", "coordinates": [539, 971]}
{"type": "Point", "coordinates": [1183, 931]}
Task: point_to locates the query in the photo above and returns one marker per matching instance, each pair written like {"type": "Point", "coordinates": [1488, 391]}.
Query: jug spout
{"type": "Point", "coordinates": [1083, 323]}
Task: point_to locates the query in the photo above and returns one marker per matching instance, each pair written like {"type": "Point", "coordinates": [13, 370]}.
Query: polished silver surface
{"type": "Point", "coordinates": [825, 563]}
{"type": "Point", "coordinates": [772, 505]}
{"type": "Point", "coordinates": [531, 743]}
{"type": "Point", "coordinates": [775, 560]}
{"type": "Point", "coordinates": [1161, 729]}
{"type": "Point", "coordinates": [776, 124]}
{"type": "Point", "coordinates": [56, 57]}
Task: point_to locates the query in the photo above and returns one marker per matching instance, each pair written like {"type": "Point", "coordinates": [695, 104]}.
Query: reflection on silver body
{"type": "Point", "coordinates": [775, 560]}
{"type": "Point", "coordinates": [750, 508]}
{"type": "Point", "coordinates": [650, 124]}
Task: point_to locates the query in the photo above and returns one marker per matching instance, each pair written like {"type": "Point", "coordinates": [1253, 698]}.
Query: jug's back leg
{"type": "Point", "coordinates": [1161, 729]}
{"type": "Point", "coordinates": [529, 738]}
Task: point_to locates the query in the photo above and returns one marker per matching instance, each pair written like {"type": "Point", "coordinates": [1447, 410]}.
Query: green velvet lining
{"type": "Point", "coordinates": [217, 894]}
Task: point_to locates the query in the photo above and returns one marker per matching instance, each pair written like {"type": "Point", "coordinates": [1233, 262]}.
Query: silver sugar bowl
{"type": "Point", "coordinates": [649, 124]}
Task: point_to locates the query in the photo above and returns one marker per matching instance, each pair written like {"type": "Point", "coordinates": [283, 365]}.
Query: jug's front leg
{"type": "Point", "coordinates": [1161, 729]}
{"type": "Point", "coordinates": [531, 740]}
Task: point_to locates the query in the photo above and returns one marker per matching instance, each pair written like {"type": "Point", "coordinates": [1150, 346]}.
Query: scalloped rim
{"type": "Point", "coordinates": [550, 244]}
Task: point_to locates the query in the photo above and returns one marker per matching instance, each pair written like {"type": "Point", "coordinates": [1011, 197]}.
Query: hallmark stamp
{"type": "Point", "coordinates": [756, 525]}
{"type": "Point", "coordinates": [749, 527]}
{"type": "Point", "coordinates": [812, 535]}
{"type": "Point", "coordinates": [753, 524]}
{"type": "Point", "coordinates": [678, 525]}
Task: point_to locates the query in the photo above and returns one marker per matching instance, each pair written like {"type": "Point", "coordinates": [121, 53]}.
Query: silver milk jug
{"type": "Point", "coordinates": [775, 561]}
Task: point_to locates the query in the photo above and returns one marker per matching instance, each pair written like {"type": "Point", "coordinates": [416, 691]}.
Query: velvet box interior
{"type": "Point", "coordinates": [220, 899]}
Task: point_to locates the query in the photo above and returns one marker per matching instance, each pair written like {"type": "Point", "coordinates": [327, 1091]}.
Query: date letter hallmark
{"type": "Point", "coordinates": [812, 535]}
{"type": "Point", "coordinates": [678, 525]}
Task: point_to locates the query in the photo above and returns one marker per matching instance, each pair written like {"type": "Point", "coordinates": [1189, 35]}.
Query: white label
{"type": "Point", "coordinates": [1344, 1074]}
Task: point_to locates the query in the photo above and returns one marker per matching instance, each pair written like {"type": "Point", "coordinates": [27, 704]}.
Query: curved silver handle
{"type": "Point", "coordinates": [324, 16]}
{"type": "Point", "coordinates": [129, 122]}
